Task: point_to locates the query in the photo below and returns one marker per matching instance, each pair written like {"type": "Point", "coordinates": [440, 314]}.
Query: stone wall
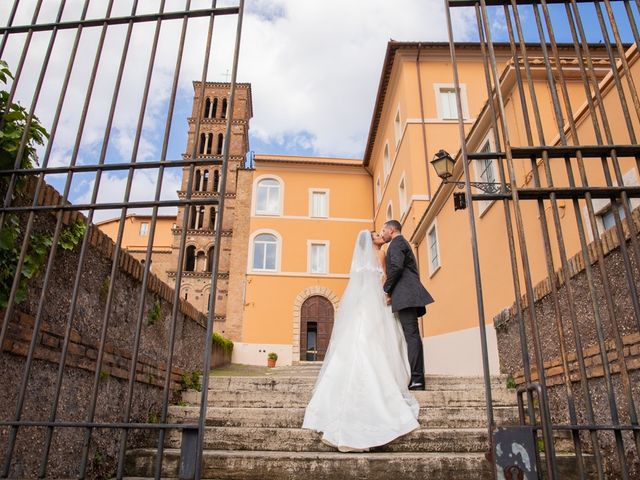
{"type": "Point", "coordinates": [84, 343]}
{"type": "Point", "coordinates": [510, 349]}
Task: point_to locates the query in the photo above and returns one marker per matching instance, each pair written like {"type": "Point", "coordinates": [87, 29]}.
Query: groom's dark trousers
{"type": "Point", "coordinates": [409, 321]}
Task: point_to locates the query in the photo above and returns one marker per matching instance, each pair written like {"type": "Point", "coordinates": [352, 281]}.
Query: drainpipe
{"type": "Point", "coordinates": [424, 129]}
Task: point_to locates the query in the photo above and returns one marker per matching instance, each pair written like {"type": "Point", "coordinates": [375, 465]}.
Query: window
{"type": "Point", "coordinates": [268, 197]}
{"type": "Point", "coordinates": [220, 143]}
{"type": "Point", "coordinates": [398, 127]}
{"type": "Point", "coordinates": [387, 161]}
{"type": "Point", "coordinates": [223, 114]}
{"type": "Point", "coordinates": [402, 193]}
{"type": "Point", "coordinates": [485, 169]}
{"type": "Point", "coordinates": [144, 228]}
{"type": "Point", "coordinates": [434, 250]}
{"type": "Point", "coordinates": [210, 257]}
{"type": "Point", "coordinates": [214, 108]}
{"type": "Point", "coordinates": [378, 190]}
{"type": "Point", "coordinates": [318, 257]}
{"type": "Point", "coordinates": [265, 248]}
{"type": "Point", "coordinates": [606, 218]}
{"type": "Point", "coordinates": [209, 143]}
{"type": "Point", "coordinates": [207, 107]}
{"type": "Point", "coordinates": [319, 204]}
{"type": "Point", "coordinates": [190, 261]}
{"type": "Point", "coordinates": [447, 102]}
{"type": "Point", "coordinates": [389, 212]}
{"type": "Point", "coordinates": [212, 218]}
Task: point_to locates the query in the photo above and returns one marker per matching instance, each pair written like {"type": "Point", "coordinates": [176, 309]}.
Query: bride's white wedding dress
{"type": "Point", "coordinates": [361, 399]}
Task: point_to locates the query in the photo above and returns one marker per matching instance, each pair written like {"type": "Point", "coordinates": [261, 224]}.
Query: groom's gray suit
{"type": "Point", "coordinates": [408, 299]}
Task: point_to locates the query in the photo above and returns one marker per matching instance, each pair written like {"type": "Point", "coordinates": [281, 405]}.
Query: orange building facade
{"type": "Point", "coordinates": [302, 214]}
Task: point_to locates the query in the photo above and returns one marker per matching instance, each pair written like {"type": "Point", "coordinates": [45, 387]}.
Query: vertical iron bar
{"type": "Point", "coordinates": [141, 307]}
{"type": "Point", "coordinates": [474, 239]}
{"type": "Point", "coordinates": [216, 251]}
{"type": "Point", "coordinates": [12, 16]}
{"type": "Point", "coordinates": [116, 253]}
{"type": "Point", "coordinates": [181, 250]}
{"type": "Point", "coordinates": [544, 415]}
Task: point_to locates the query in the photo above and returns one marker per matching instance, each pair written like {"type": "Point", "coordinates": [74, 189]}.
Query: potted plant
{"type": "Point", "coordinates": [271, 359]}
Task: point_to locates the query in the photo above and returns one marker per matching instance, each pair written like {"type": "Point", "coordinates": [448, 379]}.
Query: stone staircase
{"type": "Point", "coordinates": [253, 432]}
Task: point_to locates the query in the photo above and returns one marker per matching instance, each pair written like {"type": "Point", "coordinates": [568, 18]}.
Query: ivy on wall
{"type": "Point", "coordinates": [13, 122]}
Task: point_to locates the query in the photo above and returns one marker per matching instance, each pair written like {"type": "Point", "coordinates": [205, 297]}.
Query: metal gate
{"type": "Point", "coordinates": [52, 251]}
{"type": "Point", "coordinates": [568, 85]}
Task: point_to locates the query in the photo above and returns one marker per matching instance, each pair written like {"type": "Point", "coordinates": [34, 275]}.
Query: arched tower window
{"type": "Point", "coordinates": [220, 142]}
{"type": "Point", "coordinates": [216, 180]}
{"type": "Point", "coordinates": [192, 219]}
{"type": "Point", "coordinates": [207, 107]}
{"type": "Point", "coordinates": [205, 180]}
{"type": "Point", "coordinates": [190, 261]}
{"type": "Point", "coordinates": [200, 217]}
{"type": "Point", "coordinates": [209, 143]}
{"type": "Point", "coordinates": [203, 141]}
{"type": "Point", "coordinates": [210, 256]}
{"type": "Point", "coordinates": [223, 114]}
{"type": "Point", "coordinates": [198, 180]}
{"type": "Point", "coordinates": [214, 108]}
{"type": "Point", "coordinates": [212, 218]}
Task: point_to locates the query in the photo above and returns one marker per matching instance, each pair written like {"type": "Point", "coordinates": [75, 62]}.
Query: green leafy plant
{"type": "Point", "coordinates": [191, 381]}
{"type": "Point", "coordinates": [104, 375]}
{"type": "Point", "coordinates": [70, 237]}
{"type": "Point", "coordinates": [224, 343]}
{"type": "Point", "coordinates": [153, 315]}
{"type": "Point", "coordinates": [35, 256]}
{"type": "Point", "coordinates": [272, 356]}
{"type": "Point", "coordinates": [13, 128]}
{"type": "Point", "coordinates": [104, 289]}
{"type": "Point", "coordinates": [153, 417]}
{"type": "Point", "coordinates": [511, 383]}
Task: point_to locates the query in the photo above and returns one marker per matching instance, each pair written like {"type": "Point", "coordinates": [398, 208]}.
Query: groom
{"type": "Point", "coordinates": [407, 296]}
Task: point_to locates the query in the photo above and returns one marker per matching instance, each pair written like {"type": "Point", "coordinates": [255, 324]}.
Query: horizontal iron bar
{"type": "Point", "coordinates": [563, 193]}
{"type": "Point", "coordinates": [489, 3]}
{"type": "Point", "coordinates": [587, 151]}
{"type": "Point", "coordinates": [152, 426]}
{"type": "Point", "coordinates": [113, 205]}
{"type": "Point", "coordinates": [110, 167]}
{"type": "Point", "coordinates": [587, 427]}
{"type": "Point", "coordinates": [96, 22]}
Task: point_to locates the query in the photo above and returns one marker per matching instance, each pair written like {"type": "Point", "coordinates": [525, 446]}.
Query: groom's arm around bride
{"type": "Point", "coordinates": [408, 296]}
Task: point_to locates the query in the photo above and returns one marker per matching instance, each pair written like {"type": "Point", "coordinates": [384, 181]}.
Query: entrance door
{"type": "Point", "coordinates": [316, 323]}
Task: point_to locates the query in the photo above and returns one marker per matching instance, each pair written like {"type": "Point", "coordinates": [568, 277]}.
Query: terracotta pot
{"type": "Point", "coordinates": [271, 363]}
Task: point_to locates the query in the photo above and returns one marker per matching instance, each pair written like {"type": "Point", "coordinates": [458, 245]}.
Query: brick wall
{"type": "Point", "coordinates": [84, 341]}
{"type": "Point", "coordinates": [510, 348]}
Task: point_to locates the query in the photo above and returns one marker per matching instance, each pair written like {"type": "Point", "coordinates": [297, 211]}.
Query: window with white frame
{"type": "Point", "coordinates": [268, 197]}
{"type": "Point", "coordinates": [144, 228]}
{"type": "Point", "coordinates": [378, 190]}
{"type": "Point", "coordinates": [319, 201]}
{"type": "Point", "coordinates": [486, 172]}
{"type": "Point", "coordinates": [397, 124]}
{"type": "Point", "coordinates": [402, 194]}
{"type": "Point", "coordinates": [605, 217]}
{"type": "Point", "coordinates": [387, 161]}
{"type": "Point", "coordinates": [318, 257]}
{"type": "Point", "coordinates": [434, 249]}
{"type": "Point", "coordinates": [389, 212]}
{"type": "Point", "coordinates": [265, 252]}
{"type": "Point", "coordinates": [447, 102]}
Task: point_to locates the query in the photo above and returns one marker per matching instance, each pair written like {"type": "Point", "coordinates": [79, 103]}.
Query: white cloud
{"type": "Point", "coordinates": [314, 66]}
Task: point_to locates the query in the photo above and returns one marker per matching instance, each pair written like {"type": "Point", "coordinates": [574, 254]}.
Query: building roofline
{"type": "Point", "coordinates": [387, 66]}
{"type": "Point", "coordinates": [303, 160]}
{"type": "Point", "coordinates": [130, 215]}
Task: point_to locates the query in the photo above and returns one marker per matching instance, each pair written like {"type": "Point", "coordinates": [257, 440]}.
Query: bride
{"type": "Point", "coordinates": [361, 399]}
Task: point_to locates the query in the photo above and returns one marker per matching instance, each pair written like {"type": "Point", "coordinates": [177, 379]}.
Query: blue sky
{"type": "Point", "coordinates": [314, 66]}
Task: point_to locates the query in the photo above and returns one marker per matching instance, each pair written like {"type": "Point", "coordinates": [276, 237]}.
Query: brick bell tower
{"type": "Point", "coordinates": [200, 241]}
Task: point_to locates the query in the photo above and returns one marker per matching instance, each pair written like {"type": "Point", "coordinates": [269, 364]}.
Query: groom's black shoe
{"type": "Point", "coordinates": [416, 386]}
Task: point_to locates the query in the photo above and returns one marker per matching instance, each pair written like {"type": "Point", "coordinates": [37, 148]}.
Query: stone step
{"type": "Point", "coordinates": [433, 417]}
{"type": "Point", "coordinates": [299, 440]}
{"type": "Point", "coordinates": [278, 465]}
{"type": "Point", "coordinates": [279, 399]}
{"type": "Point", "coordinates": [305, 383]}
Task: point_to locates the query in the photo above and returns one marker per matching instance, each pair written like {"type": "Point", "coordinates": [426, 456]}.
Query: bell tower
{"type": "Point", "coordinates": [213, 109]}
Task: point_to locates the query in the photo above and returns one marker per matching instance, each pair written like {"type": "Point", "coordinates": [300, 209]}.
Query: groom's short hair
{"type": "Point", "coordinates": [394, 224]}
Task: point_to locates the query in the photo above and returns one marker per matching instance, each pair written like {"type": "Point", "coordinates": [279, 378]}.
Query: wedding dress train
{"type": "Point", "coordinates": [361, 399]}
